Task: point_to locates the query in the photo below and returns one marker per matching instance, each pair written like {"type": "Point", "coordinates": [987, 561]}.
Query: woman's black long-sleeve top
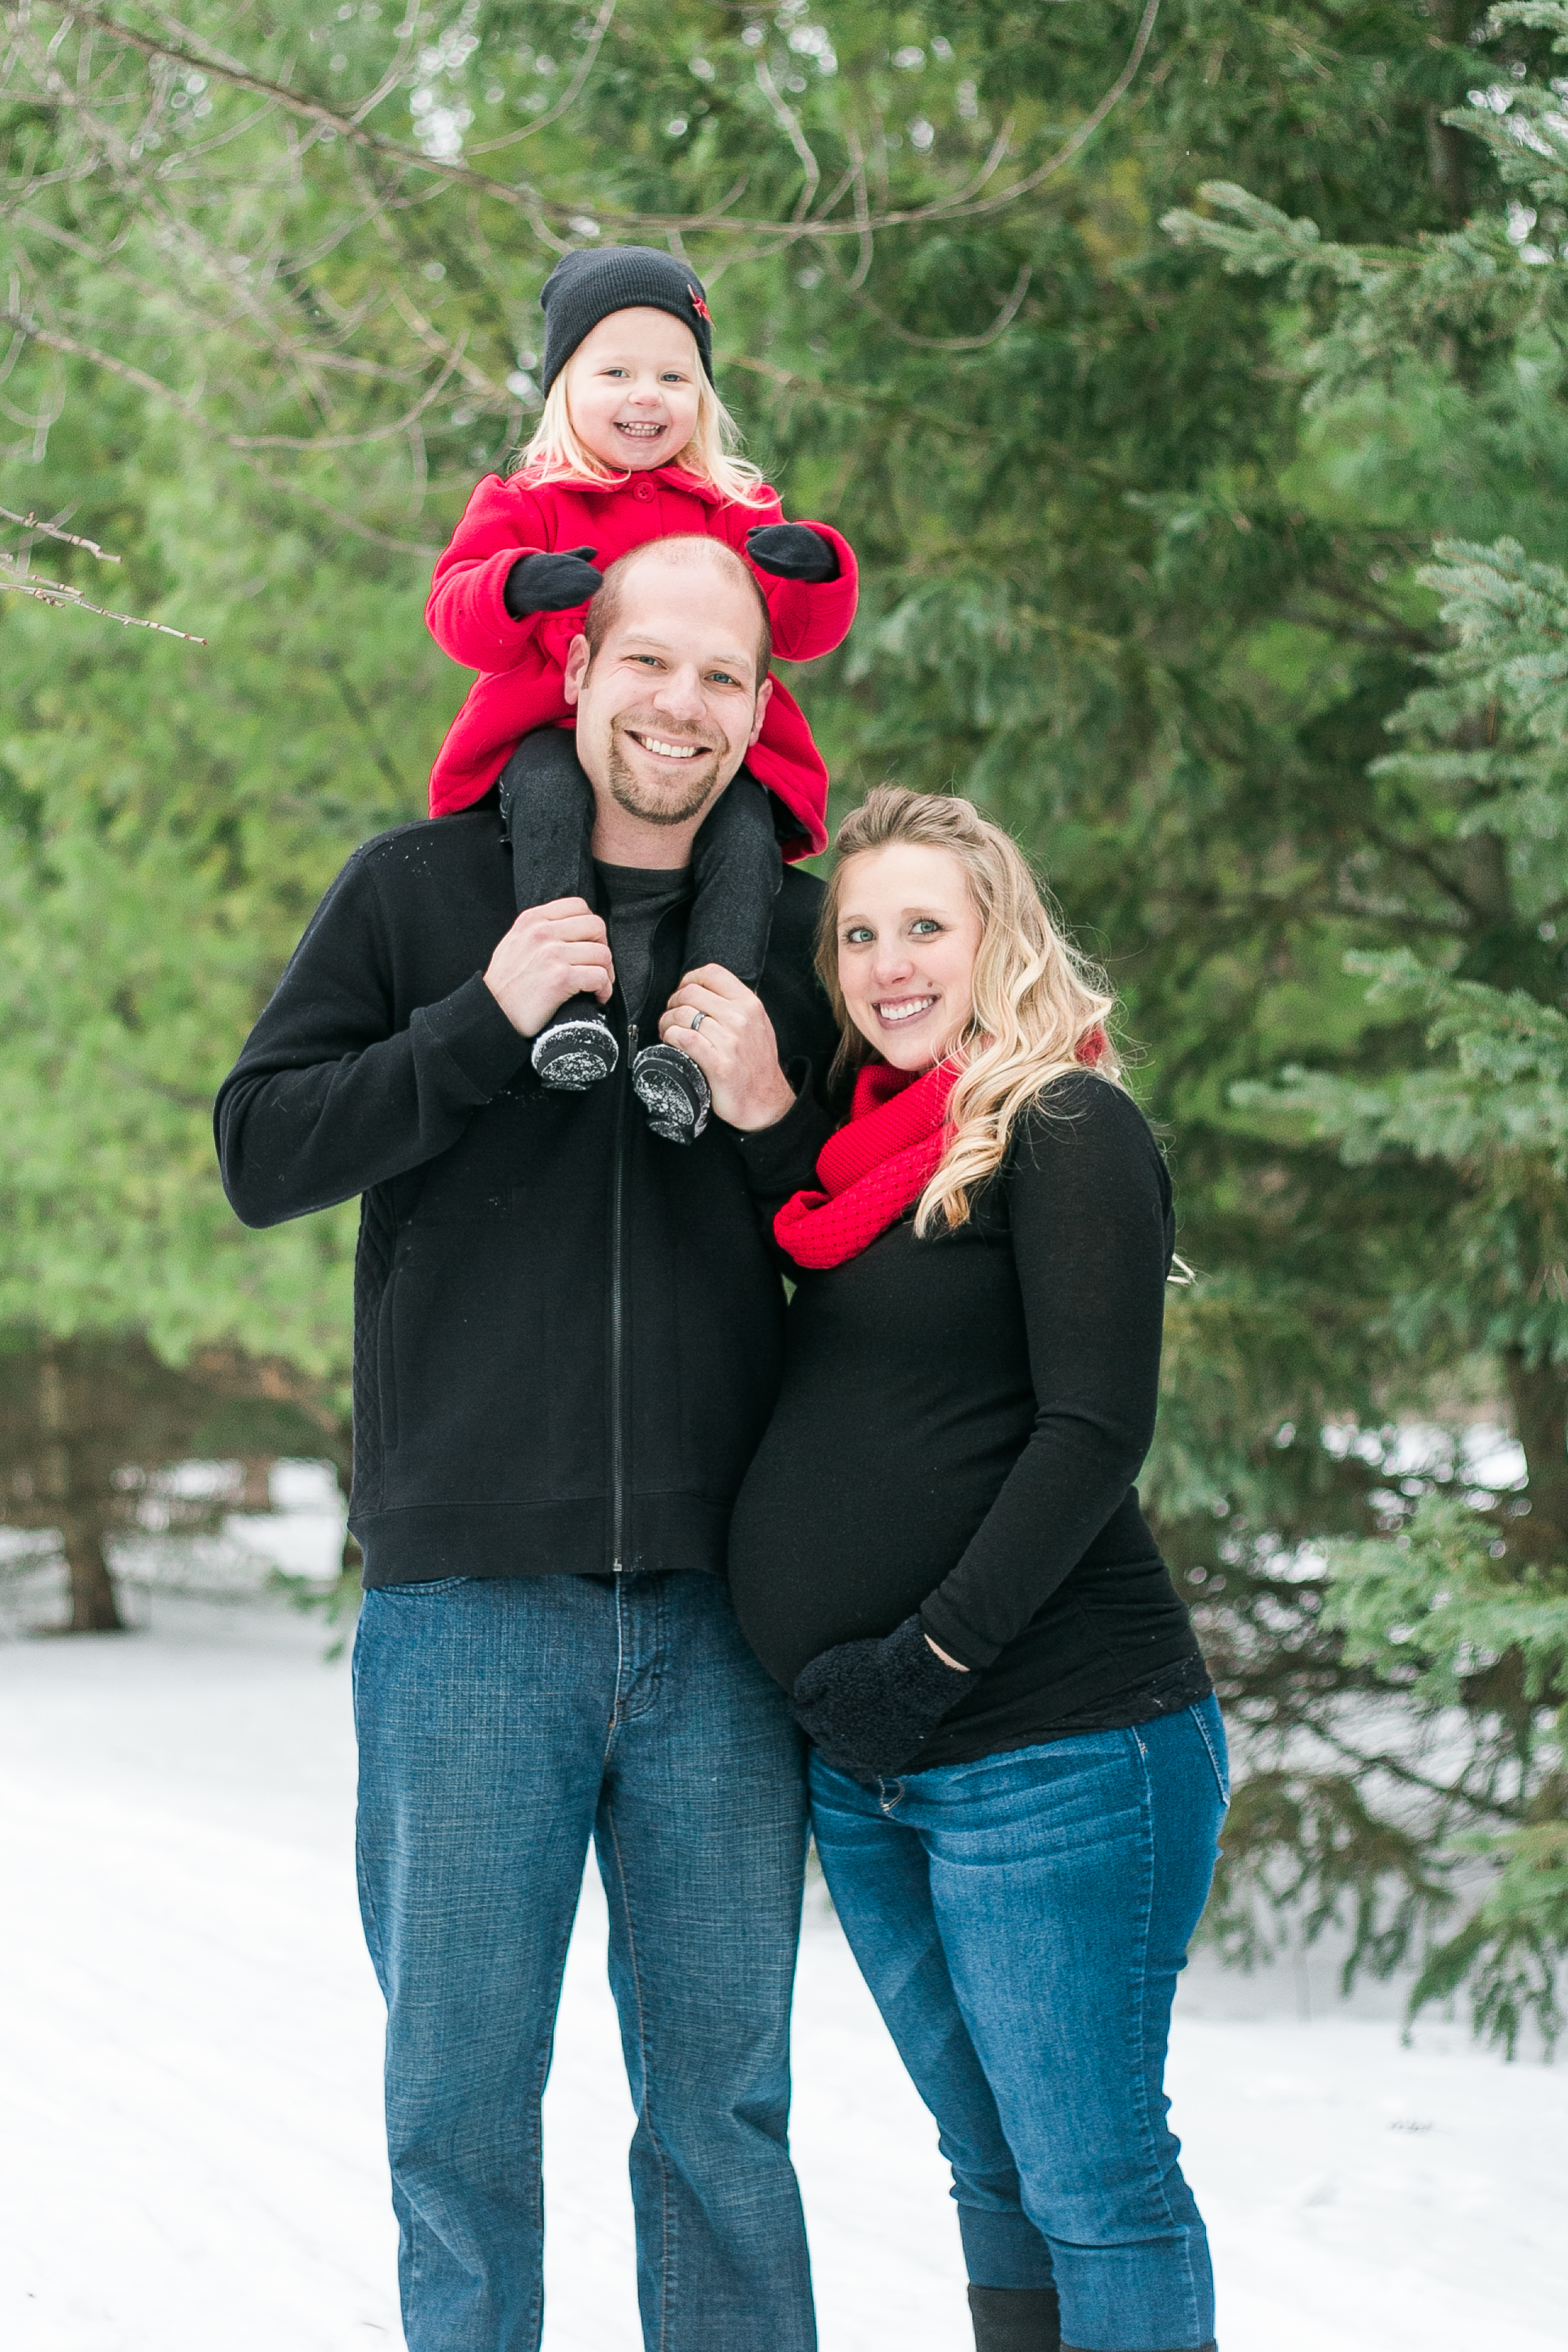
{"type": "Point", "coordinates": [960, 1423]}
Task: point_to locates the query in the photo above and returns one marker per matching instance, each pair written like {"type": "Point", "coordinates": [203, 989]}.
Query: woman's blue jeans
{"type": "Point", "coordinates": [1021, 1922]}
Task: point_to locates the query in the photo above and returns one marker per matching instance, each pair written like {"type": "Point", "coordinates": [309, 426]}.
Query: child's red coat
{"type": "Point", "coordinates": [521, 661]}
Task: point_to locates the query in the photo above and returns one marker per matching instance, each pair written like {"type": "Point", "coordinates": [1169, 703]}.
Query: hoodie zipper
{"type": "Point", "coordinates": [618, 1528]}
{"type": "Point", "coordinates": [618, 1320]}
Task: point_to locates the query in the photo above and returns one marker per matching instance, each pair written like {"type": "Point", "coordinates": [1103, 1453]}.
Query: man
{"type": "Point", "coordinates": [567, 1344]}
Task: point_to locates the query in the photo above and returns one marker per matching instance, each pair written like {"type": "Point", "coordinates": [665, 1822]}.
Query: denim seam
{"type": "Point", "coordinates": [654, 1650]}
{"type": "Point", "coordinates": [1146, 1925]}
{"type": "Point", "coordinates": [1221, 1777]}
{"type": "Point", "coordinates": [537, 2300]}
{"type": "Point", "coordinates": [372, 1925]}
{"type": "Point", "coordinates": [666, 2262]}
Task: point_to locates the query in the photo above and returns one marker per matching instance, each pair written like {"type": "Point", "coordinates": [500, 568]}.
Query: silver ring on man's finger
{"type": "Point", "coordinates": [697, 1020]}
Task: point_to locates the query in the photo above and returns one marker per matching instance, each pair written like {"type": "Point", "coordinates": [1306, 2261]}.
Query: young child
{"type": "Point", "coordinates": [633, 444]}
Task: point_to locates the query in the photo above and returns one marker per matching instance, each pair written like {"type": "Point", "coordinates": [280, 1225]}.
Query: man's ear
{"type": "Point", "coordinates": [764, 695]}
{"type": "Point", "coordinates": [576, 660]}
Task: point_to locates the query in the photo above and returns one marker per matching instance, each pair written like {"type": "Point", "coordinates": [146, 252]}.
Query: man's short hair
{"type": "Point", "coordinates": [687, 548]}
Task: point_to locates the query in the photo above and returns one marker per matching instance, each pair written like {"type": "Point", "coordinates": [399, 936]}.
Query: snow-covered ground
{"type": "Point", "coordinates": [189, 2158]}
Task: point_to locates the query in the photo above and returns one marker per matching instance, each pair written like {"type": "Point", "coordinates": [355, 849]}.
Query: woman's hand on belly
{"type": "Point", "coordinates": [871, 1707]}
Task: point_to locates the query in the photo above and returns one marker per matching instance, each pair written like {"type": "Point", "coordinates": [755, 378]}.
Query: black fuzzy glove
{"type": "Point", "coordinates": [792, 551]}
{"type": "Point", "coordinates": [871, 1707]}
{"type": "Point", "coordinates": [551, 583]}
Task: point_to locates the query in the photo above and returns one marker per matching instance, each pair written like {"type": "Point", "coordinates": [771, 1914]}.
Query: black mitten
{"type": "Point", "coordinates": [551, 583]}
{"type": "Point", "coordinates": [870, 1706]}
{"type": "Point", "coordinates": [792, 551]}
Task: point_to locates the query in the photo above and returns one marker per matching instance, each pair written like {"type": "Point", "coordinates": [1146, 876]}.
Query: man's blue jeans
{"type": "Point", "coordinates": [1021, 1922]}
{"type": "Point", "coordinates": [503, 1722]}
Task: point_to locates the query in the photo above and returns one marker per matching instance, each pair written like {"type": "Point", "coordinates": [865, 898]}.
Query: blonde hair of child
{"type": "Point", "coordinates": [1037, 1001]}
{"type": "Point", "coordinates": [556, 455]}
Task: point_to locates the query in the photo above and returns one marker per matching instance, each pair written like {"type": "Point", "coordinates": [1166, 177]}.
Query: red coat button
{"type": "Point", "coordinates": [641, 489]}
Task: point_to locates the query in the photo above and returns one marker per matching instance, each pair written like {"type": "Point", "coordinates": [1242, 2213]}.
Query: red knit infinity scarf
{"type": "Point", "coordinates": [873, 1169]}
{"type": "Point", "coordinates": [879, 1164]}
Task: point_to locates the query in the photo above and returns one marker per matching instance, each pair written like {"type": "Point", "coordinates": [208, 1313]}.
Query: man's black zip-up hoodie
{"type": "Point", "coordinates": [568, 1334]}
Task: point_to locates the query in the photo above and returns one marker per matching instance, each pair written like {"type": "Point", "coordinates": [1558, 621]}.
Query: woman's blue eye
{"type": "Point", "coordinates": [925, 923]}
{"type": "Point", "coordinates": [857, 937]}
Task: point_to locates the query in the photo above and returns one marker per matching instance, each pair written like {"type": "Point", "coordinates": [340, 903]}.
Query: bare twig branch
{"type": "Point", "coordinates": [1085, 131]}
{"type": "Point", "coordinates": [537, 207]}
{"type": "Point", "coordinates": [52, 530]}
{"type": "Point", "coordinates": [569, 95]}
{"type": "Point", "coordinates": [842, 395]}
{"type": "Point", "coordinates": [190, 407]}
{"type": "Point", "coordinates": [434, 341]}
{"type": "Point", "coordinates": [997, 328]}
{"type": "Point", "coordinates": [789, 122]}
{"type": "Point", "coordinates": [192, 410]}
{"type": "Point", "coordinates": [56, 592]}
{"type": "Point", "coordinates": [862, 269]}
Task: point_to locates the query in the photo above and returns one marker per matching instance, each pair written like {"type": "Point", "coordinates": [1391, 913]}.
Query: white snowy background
{"type": "Point", "coordinates": [190, 2159]}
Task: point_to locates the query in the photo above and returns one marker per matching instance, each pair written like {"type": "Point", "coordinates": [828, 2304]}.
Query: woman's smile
{"type": "Point", "coordinates": [908, 935]}
{"type": "Point", "coordinates": [890, 1009]}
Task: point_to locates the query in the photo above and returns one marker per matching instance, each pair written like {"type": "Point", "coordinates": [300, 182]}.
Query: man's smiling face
{"type": "Point", "coordinates": [670, 704]}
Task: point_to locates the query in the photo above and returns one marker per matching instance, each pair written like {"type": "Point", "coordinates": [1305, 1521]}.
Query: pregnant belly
{"type": "Point", "coordinates": [831, 1556]}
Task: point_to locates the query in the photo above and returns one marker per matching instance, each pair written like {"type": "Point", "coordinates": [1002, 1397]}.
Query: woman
{"type": "Point", "coordinates": [1018, 1766]}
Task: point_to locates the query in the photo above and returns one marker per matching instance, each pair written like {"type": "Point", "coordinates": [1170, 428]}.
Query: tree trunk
{"type": "Point", "coordinates": [1449, 151]}
{"type": "Point", "coordinates": [255, 1483]}
{"type": "Point", "coordinates": [94, 1608]}
{"type": "Point", "coordinates": [1539, 1395]}
{"type": "Point", "coordinates": [1448, 164]}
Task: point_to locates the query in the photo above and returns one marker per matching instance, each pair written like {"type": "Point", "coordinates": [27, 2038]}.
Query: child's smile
{"type": "Point", "coordinates": [631, 389]}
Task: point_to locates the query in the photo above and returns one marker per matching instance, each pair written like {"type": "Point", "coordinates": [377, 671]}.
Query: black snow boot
{"type": "Point", "coordinates": [577, 1050]}
{"type": "Point", "coordinates": [673, 1091]}
{"type": "Point", "coordinates": [1016, 2318]}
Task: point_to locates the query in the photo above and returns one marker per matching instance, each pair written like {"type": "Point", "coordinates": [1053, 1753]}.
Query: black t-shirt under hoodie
{"type": "Point", "coordinates": [960, 1423]}
{"type": "Point", "coordinates": [638, 897]}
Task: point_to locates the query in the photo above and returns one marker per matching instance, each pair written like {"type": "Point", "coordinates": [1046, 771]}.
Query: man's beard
{"type": "Point", "coordinates": [652, 804]}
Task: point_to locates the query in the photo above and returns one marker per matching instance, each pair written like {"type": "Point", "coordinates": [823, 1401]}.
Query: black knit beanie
{"type": "Point", "coordinates": [586, 286]}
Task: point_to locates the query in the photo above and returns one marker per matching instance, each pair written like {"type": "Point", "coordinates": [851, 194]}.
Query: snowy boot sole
{"type": "Point", "coordinates": [673, 1091]}
{"type": "Point", "coordinates": [572, 1055]}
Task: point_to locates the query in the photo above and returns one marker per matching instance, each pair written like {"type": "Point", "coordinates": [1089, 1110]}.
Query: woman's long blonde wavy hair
{"type": "Point", "coordinates": [556, 455]}
{"type": "Point", "coordinates": [1040, 1007]}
